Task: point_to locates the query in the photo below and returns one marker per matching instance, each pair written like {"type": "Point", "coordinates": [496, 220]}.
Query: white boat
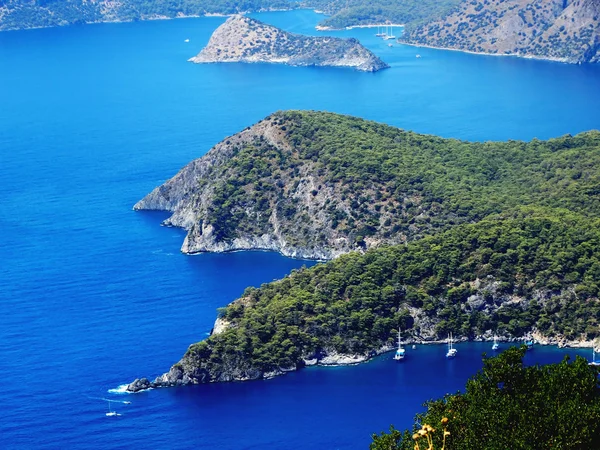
{"type": "Point", "coordinates": [401, 351]}
{"type": "Point", "coordinates": [414, 347]}
{"type": "Point", "coordinates": [495, 346]}
{"type": "Point", "coordinates": [418, 56]}
{"type": "Point", "coordinates": [594, 362]}
{"type": "Point", "coordinates": [379, 33]}
{"type": "Point", "coordinates": [110, 412]}
{"type": "Point", "coordinates": [187, 40]}
{"type": "Point", "coordinates": [451, 353]}
{"type": "Point", "coordinates": [390, 35]}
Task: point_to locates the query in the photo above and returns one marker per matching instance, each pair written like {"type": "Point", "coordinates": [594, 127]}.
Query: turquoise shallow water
{"type": "Point", "coordinates": [93, 294]}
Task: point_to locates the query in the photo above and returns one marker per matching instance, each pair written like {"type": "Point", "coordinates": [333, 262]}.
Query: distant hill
{"type": "Point", "coordinates": [21, 14]}
{"type": "Point", "coordinates": [348, 13]}
{"type": "Point", "coordinates": [561, 30]}
{"type": "Point", "coordinates": [242, 39]}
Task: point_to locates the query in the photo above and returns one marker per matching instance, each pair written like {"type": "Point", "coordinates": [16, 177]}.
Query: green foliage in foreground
{"type": "Point", "coordinates": [510, 406]}
{"type": "Point", "coordinates": [533, 267]}
{"type": "Point", "coordinates": [364, 12]}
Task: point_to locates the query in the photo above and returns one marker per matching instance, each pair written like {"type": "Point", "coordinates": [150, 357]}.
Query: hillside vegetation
{"type": "Point", "coordinates": [360, 12]}
{"type": "Point", "coordinates": [19, 14]}
{"type": "Point", "coordinates": [317, 185]}
{"type": "Point", "coordinates": [502, 275]}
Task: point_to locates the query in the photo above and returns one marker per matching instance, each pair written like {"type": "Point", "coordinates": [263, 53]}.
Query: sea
{"type": "Point", "coordinates": [94, 294]}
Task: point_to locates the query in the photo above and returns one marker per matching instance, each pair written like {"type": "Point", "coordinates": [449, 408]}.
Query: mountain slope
{"type": "Point", "coordinates": [561, 30]}
{"type": "Point", "coordinates": [317, 185]}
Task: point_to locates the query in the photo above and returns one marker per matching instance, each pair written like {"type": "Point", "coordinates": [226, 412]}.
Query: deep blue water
{"type": "Point", "coordinates": [93, 294]}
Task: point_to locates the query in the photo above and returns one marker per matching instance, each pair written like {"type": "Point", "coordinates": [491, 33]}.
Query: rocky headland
{"type": "Point", "coordinates": [559, 30]}
{"type": "Point", "coordinates": [242, 39]}
{"type": "Point", "coordinates": [317, 185]}
{"type": "Point", "coordinates": [433, 235]}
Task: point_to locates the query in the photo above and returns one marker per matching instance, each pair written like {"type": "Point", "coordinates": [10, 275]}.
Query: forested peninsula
{"type": "Point", "coordinates": [474, 238]}
{"type": "Point", "coordinates": [243, 39]}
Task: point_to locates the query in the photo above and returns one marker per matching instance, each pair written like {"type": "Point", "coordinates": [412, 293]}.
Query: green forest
{"type": "Point", "coordinates": [510, 406]}
{"type": "Point", "coordinates": [505, 273]}
{"type": "Point", "coordinates": [391, 185]}
{"type": "Point", "coordinates": [360, 12]}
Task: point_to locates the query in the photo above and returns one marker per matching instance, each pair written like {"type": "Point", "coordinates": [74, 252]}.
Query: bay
{"type": "Point", "coordinates": [93, 294]}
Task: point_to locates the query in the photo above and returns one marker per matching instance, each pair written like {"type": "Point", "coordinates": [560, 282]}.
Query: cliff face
{"type": "Point", "coordinates": [241, 39]}
{"type": "Point", "coordinates": [561, 30]}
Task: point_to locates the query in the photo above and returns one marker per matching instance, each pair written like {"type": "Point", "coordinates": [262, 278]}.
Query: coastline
{"type": "Point", "coordinates": [516, 55]}
{"type": "Point", "coordinates": [148, 18]}
{"type": "Point", "coordinates": [176, 377]}
{"type": "Point", "coordinates": [375, 25]}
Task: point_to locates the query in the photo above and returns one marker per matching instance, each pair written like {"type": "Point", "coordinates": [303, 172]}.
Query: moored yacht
{"type": "Point", "coordinates": [401, 351]}
{"type": "Point", "coordinates": [451, 353]}
{"type": "Point", "coordinates": [495, 346]}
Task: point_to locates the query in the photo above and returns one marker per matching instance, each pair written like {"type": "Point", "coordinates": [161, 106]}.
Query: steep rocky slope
{"type": "Point", "coordinates": [561, 30]}
{"type": "Point", "coordinates": [242, 39]}
{"type": "Point", "coordinates": [317, 185]}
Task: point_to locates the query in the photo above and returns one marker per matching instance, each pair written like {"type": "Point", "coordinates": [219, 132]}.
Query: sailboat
{"type": "Point", "coordinates": [594, 362]}
{"type": "Point", "coordinates": [400, 352]}
{"type": "Point", "coordinates": [495, 346]}
{"type": "Point", "coordinates": [379, 32]}
{"type": "Point", "coordinates": [110, 412]}
{"type": "Point", "coordinates": [451, 353]}
{"type": "Point", "coordinates": [391, 33]}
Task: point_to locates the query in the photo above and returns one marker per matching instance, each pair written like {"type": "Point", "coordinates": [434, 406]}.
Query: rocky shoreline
{"type": "Point", "coordinates": [242, 39]}
{"type": "Point", "coordinates": [177, 376]}
{"type": "Point", "coordinates": [471, 52]}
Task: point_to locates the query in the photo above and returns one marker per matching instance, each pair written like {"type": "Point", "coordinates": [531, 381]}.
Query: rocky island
{"type": "Point", "coordinates": [473, 238]}
{"type": "Point", "coordinates": [559, 30]}
{"type": "Point", "coordinates": [242, 39]}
